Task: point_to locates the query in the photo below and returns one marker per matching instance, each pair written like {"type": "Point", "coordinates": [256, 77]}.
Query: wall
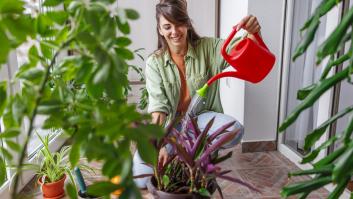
{"type": "Point", "coordinates": [261, 107]}
{"type": "Point", "coordinates": [231, 89]}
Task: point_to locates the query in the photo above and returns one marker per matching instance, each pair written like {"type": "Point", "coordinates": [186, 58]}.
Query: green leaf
{"type": "Point", "coordinates": [44, 25]}
{"type": "Point", "coordinates": [122, 41]}
{"type": "Point", "coordinates": [316, 134]}
{"type": "Point", "coordinates": [33, 55]}
{"type": "Point", "coordinates": [59, 17]}
{"type": "Point", "coordinates": [124, 53]}
{"type": "Point", "coordinates": [314, 153]}
{"type": "Point", "coordinates": [322, 87]}
{"type": "Point", "coordinates": [102, 188]}
{"type": "Point", "coordinates": [204, 192]}
{"type": "Point", "coordinates": [47, 49]}
{"type": "Point", "coordinates": [74, 156]}
{"type": "Point", "coordinates": [13, 145]}
{"type": "Point", "coordinates": [71, 191]}
{"type": "Point", "coordinates": [5, 47]}
{"type": "Point", "coordinates": [330, 45]}
{"type": "Point", "coordinates": [52, 3]}
{"type": "Point", "coordinates": [2, 171]}
{"type": "Point", "coordinates": [10, 133]}
{"type": "Point", "coordinates": [308, 38]}
{"type": "Point", "coordinates": [165, 180]}
{"type": "Point", "coordinates": [6, 154]}
{"type": "Point", "coordinates": [20, 27]}
{"type": "Point", "coordinates": [343, 168]}
{"type": "Point", "coordinates": [34, 75]}
{"type": "Point", "coordinates": [111, 168]}
{"type": "Point", "coordinates": [302, 93]}
{"type": "Point", "coordinates": [123, 27]}
{"type": "Point", "coordinates": [18, 109]}
{"type": "Point", "coordinates": [51, 106]}
{"type": "Point", "coordinates": [132, 14]}
{"type": "Point", "coordinates": [146, 150]}
{"type": "Point", "coordinates": [305, 186]}
{"type": "Point", "coordinates": [11, 6]}
{"type": "Point", "coordinates": [102, 74]}
{"type": "Point", "coordinates": [3, 95]}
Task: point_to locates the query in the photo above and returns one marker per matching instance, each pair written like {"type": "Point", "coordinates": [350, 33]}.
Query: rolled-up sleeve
{"type": "Point", "coordinates": [157, 99]}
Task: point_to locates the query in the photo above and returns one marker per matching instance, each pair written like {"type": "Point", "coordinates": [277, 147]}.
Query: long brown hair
{"type": "Point", "coordinates": [176, 12]}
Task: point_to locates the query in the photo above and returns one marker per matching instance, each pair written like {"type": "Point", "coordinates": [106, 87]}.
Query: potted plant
{"type": "Point", "coordinates": [192, 169]}
{"type": "Point", "coordinates": [52, 169]}
{"type": "Point", "coordinates": [76, 76]}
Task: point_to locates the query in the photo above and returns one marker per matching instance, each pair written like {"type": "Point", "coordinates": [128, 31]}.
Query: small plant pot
{"type": "Point", "coordinates": [151, 186]}
{"type": "Point", "coordinates": [53, 190]}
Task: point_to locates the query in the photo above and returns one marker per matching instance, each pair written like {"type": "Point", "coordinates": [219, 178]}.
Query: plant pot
{"type": "Point", "coordinates": [157, 194]}
{"type": "Point", "coordinates": [53, 190]}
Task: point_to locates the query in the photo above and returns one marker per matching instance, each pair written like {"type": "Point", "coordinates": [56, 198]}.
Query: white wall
{"type": "Point", "coordinates": [231, 89]}
{"type": "Point", "coordinates": [261, 108]}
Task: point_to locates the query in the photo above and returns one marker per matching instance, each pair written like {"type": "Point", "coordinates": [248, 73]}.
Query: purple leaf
{"type": "Point", "coordinates": [224, 172]}
{"type": "Point", "coordinates": [212, 168]}
{"type": "Point", "coordinates": [222, 158]}
{"type": "Point", "coordinates": [219, 190]}
{"type": "Point", "coordinates": [182, 140]}
{"type": "Point", "coordinates": [181, 152]}
{"type": "Point", "coordinates": [201, 138]}
{"type": "Point", "coordinates": [220, 131]}
{"type": "Point", "coordinates": [219, 143]}
{"type": "Point", "coordinates": [195, 127]}
{"type": "Point", "coordinates": [236, 180]}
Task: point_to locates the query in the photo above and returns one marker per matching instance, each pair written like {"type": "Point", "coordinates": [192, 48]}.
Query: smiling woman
{"type": "Point", "coordinates": [182, 63]}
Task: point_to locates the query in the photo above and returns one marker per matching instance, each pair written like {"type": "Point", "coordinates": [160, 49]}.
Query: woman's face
{"type": "Point", "coordinates": [175, 35]}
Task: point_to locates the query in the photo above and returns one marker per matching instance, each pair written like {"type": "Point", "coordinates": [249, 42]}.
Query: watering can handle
{"type": "Point", "coordinates": [230, 37]}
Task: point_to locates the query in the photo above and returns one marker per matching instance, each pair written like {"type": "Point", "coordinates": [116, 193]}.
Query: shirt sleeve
{"type": "Point", "coordinates": [157, 99]}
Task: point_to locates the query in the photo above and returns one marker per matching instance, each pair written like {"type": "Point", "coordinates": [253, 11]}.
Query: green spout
{"type": "Point", "coordinates": [202, 91]}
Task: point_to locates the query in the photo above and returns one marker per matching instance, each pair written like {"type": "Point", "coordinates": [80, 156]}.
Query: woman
{"type": "Point", "coordinates": [182, 64]}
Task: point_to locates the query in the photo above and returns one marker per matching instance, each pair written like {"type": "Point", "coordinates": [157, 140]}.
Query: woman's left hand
{"type": "Point", "coordinates": [250, 24]}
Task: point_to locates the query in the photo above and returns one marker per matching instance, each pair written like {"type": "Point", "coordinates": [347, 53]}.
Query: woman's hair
{"type": "Point", "coordinates": [176, 12]}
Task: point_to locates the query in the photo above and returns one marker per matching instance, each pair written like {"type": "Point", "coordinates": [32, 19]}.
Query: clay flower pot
{"type": "Point", "coordinates": [53, 190]}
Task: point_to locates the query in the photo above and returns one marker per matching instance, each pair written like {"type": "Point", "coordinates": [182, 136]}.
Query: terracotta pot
{"type": "Point", "coordinates": [157, 194]}
{"type": "Point", "coordinates": [53, 190]}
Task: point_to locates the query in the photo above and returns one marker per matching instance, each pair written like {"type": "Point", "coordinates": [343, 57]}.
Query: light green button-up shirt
{"type": "Point", "coordinates": [201, 63]}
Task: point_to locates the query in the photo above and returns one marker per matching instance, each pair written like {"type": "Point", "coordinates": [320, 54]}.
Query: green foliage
{"type": "Point", "coordinates": [336, 167]}
{"type": "Point", "coordinates": [82, 92]}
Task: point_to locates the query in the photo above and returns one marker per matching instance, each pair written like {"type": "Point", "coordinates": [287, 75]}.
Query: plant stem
{"type": "Point", "coordinates": [192, 179]}
{"type": "Point", "coordinates": [34, 113]}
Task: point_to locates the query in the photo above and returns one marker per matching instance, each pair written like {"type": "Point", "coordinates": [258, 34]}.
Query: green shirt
{"type": "Point", "coordinates": [201, 63]}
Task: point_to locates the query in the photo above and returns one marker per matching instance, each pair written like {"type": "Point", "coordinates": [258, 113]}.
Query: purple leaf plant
{"type": "Point", "coordinates": [194, 163]}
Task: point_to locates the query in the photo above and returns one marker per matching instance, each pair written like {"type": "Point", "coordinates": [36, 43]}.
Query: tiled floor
{"type": "Point", "coordinates": [267, 171]}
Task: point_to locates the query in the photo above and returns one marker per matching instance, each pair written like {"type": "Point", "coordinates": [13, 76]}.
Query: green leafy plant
{"type": "Point", "coordinates": [76, 77]}
{"type": "Point", "coordinates": [193, 167]}
{"type": "Point", "coordinates": [52, 166]}
{"type": "Point", "coordinates": [337, 167]}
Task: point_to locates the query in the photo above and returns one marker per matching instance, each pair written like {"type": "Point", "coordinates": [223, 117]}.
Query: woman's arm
{"type": "Point", "coordinates": [158, 117]}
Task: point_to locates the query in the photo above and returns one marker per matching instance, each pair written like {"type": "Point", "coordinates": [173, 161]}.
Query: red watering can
{"type": "Point", "coordinates": [251, 61]}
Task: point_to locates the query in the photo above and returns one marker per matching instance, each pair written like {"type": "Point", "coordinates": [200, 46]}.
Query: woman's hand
{"type": "Point", "coordinates": [163, 155]}
{"type": "Point", "coordinates": [250, 24]}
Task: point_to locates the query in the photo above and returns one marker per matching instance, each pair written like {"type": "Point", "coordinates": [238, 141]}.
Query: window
{"type": "Point", "coordinates": [302, 73]}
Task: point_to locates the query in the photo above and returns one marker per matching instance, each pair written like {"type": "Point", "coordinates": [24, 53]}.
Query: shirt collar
{"type": "Point", "coordinates": [190, 54]}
